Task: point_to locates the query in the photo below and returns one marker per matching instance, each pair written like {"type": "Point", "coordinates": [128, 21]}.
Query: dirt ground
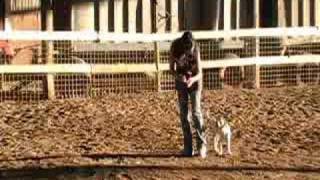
{"type": "Point", "coordinates": [275, 135]}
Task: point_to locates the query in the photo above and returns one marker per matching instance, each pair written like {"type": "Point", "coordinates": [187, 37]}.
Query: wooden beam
{"type": "Point", "coordinates": [294, 13]}
{"type": "Point", "coordinates": [7, 23]}
{"type": "Point", "coordinates": [161, 15]}
{"type": "Point", "coordinates": [174, 16]}
{"type": "Point", "coordinates": [104, 15]}
{"type": "Point", "coordinates": [140, 37]}
{"type": "Point", "coordinates": [157, 63]}
{"type": "Point", "coordinates": [132, 8]}
{"type": "Point", "coordinates": [217, 20]}
{"type": "Point", "coordinates": [83, 16]}
{"type": "Point", "coordinates": [227, 15]}
{"type": "Point", "coordinates": [238, 14]}
{"type": "Point", "coordinates": [317, 12]}
{"type": "Point", "coordinates": [281, 14]}
{"type": "Point", "coordinates": [257, 13]}
{"type": "Point", "coordinates": [118, 16]}
{"type": "Point", "coordinates": [50, 77]}
{"type": "Point", "coordinates": [136, 68]}
{"type": "Point", "coordinates": [146, 16]}
{"type": "Point", "coordinates": [257, 43]}
{"type": "Point", "coordinates": [306, 13]}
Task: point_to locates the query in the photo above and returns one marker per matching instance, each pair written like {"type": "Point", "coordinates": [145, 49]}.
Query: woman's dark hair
{"type": "Point", "coordinates": [187, 40]}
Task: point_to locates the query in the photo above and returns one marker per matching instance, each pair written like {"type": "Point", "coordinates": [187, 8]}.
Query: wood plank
{"type": "Point", "coordinates": [132, 8]}
{"type": "Point", "coordinates": [132, 68]}
{"type": "Point", "coordinates": [161, 16]}
{"type": "Point", "coordinates": [306, 13]}
{"type": "Point", "coordinates": [227, 15]}
{"type": "Point", "coordinates": [104, 15]}
{"type": "Point", "coordinates": [50, 77]}
{"type": "Point", "coordinates": [294, 13]}
{"type": "Point", "coordinates": [83, 16]}
{"type": "Point", "coordinates": [317, 12]}
{"type": "Point", "coordinates": [7, 23]}
{"type": "Point", "coordinates": [281, 14]}
{"type": "Point", "coordinates": [174, 16]}
{"type": "Point", "coordinates": [238, 14]}
{"type": "Point", "coordinates": [157, 63]}
{"type": "Point", "coordinates": [257, 43]}
{"type": "Point", "coordinates": [118, 16]}
{"type": "Point", "coordinates": [146, 17]}
{"type": "Point", "coordinates": [140, 37]}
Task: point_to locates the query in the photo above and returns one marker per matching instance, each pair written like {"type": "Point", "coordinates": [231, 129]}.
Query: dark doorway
{"type": "Point", "coordinates": [268, 13]}
{"type": "Point", "coordinates": [2, 11]}
{"type": "Point", "coordinates": [62, 15]}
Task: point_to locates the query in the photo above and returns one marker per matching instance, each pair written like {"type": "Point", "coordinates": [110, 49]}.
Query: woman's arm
{"type": "Point", "coordinates": [198, 76]}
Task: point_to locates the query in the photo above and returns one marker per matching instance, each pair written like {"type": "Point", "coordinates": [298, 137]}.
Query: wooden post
{"type": "Point", "coordinates": [132, 8]}
{"type": "Point", "coordinates": [217, 22]}
{"type": "Point", "coordinates": [257, 25]}
{"type": "Point", "coordinates": [227, 15]}
{"type": "Point", "coordinates": [281, 14]}
{"type": "Point", "coordinates": [146, 16]}
{"type": "Point", "coordinates": [50, 77]}
{"type": "Point", "coordinates": [294, 13]}
{"type": "Point", "coordinates": [161, 15]}
{"type": "Point", "coordinates": [317, 12]}
{"type": "Point", "coordinates": [7, 24]}
{"type": "Point", "coordinates": [83, 16]}
{"type": "Point", "coordinates": [157, 62]}
{"type": "Point", "coordinates": [104, 15]}
{"type": "Point", "coordinates": [174, 16]}
{"type": "Point", "coordinates": [118, 16]}
{"type": "Point", "coordinates": [238, 15]}
{"type": "Point", "coordinates": [306, 12]}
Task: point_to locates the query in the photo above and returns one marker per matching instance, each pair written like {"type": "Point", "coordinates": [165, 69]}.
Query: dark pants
{"type": "Point", "coordinates": [195, 96]}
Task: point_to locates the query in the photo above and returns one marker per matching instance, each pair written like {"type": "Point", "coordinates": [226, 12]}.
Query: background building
{"type": "Point", "coordinates": [158, 15]}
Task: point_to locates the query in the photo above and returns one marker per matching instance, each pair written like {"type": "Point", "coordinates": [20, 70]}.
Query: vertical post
{"type": "Point", "coordinates": [157, 62]}
{"type": "Point", "coordinates": [218, 6]}
{"type": "Point", "coordinates": [104, 15]}
{"type": "Point", "coordinates": [295, 13]}
{"type": "Point", "coordinates": [146, 16]}
{"type": "Point", "coordinates": [227, 15]}
{"type": "Point", "coordinates": [257, 25]}
{"type": "Point", "coordinates": [161, 16]}
{"type": "Point", "coordinates": [281, 14]}
{"type": "Point", "coordinates": [238, 15]}
{"type": "Point", "coordinates": [132, 8]}
{"type": "Point", "coordinates": [306, 12]}
{"type": "Point", "coordinates": [7, 24]}
{"type": "Point", "coordinates": [118, 16]}
{"type": "Point", "coordinates": [50, 77]}
{"type": "Point", "coordinates": [174, 16]}
{"type": "Point", "coordinates": [317, 12]}
{"type": "Point", "coordinates": [83, 16]}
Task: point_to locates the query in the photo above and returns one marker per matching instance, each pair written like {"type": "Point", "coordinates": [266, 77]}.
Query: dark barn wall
{"type": "Point", "coordinates": [62, 15]}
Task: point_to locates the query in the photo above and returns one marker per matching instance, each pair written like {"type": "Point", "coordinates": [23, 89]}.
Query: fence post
{"type": "Point", "coordinates": [104, 16]}
{"type": "Point", "coordinates": [257, 53]}
{"type": "Point", "coordinates": [132, 8]}
{"type": "Point", "coordinates": [157, 62]}
{"type": "Point", "coordinates": [50, 77]}
{"type": "Point", "coordinates": [146, 16]}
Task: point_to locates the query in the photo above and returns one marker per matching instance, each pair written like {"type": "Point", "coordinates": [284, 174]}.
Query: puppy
{"type": "Point", "coordinates": [222, 136]}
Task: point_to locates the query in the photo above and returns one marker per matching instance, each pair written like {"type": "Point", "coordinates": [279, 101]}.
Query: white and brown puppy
{"type": "Point", "coordinates": [222, 135]}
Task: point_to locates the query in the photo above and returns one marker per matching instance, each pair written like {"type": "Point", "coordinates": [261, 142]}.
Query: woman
{"type": "Point", "coordinates": [185, 65]}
